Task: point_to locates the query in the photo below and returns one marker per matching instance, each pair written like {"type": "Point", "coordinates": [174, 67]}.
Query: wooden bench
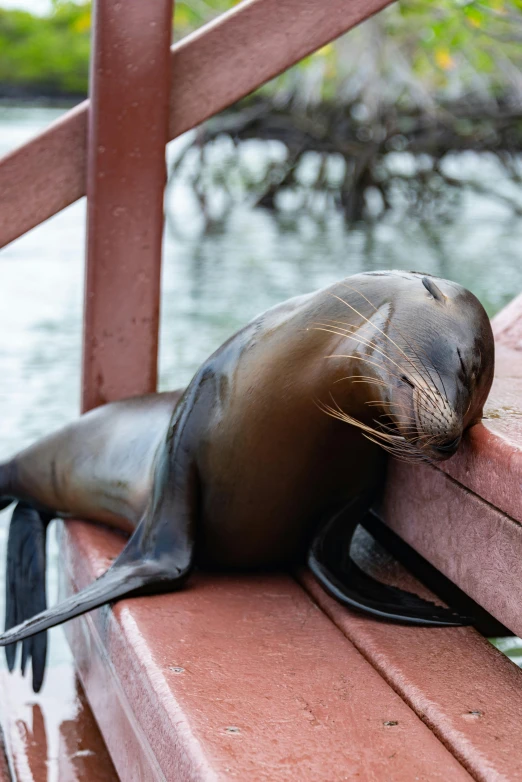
{"type": "Point", "coordinates": [267, 677]}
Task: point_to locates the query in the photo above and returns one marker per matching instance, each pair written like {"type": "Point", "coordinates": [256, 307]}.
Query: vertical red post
{"type": "Point", "coordinates": [128, 122]}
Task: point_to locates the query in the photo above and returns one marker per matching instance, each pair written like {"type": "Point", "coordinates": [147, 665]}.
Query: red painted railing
{"type": "Point", "coordinates": [209, 70]}
{"type": "Point", "coordinates": [112, 147]}
{"type": "Point", "coordinates": [127, 135]}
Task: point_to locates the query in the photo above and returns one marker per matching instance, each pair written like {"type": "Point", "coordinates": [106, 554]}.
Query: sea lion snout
{"type": "Point", "coordinates": [438, 424]}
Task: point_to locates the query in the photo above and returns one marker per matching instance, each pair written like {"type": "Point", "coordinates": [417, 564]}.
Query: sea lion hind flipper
{"type": "Point", "coordinates": [25, 585]}
{"type": "Point", "coordinates": [330, 561]}
{"type": "Point", "coordinates": [357, 590]}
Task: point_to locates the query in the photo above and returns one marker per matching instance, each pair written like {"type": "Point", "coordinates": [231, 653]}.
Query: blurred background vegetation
{"type": "Point", "coordinates": [426, 51]}
{"type": "Point", "coordinates": [421, 77]}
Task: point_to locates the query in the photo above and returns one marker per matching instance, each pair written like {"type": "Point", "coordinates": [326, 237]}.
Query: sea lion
{"type": "Point", "coordinates": [252, 467]}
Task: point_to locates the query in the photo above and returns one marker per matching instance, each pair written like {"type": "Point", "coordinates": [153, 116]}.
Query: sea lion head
{"type": "Point", "coordinates": [425, 351]}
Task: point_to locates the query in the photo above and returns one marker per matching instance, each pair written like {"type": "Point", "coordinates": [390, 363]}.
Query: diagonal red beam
{"type": "Point", "coordinates": [211, 69]}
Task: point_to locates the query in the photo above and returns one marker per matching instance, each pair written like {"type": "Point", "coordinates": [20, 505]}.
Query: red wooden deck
{"type": "Point", "coordinates": [246, 678]}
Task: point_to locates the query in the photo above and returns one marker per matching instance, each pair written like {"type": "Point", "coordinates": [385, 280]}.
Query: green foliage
{"type": "Point", "coordinates": [47, 54]}
{"type": "Point", "coordinates": [417, 50]}
{"type": "Point", "coordinates": [420, 52]}
{"type": "Point", "coordinates": [475, 44]}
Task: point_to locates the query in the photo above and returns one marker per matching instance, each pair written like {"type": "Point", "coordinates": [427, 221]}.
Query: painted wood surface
{"type": "Point", "coordinates": [128, 121]}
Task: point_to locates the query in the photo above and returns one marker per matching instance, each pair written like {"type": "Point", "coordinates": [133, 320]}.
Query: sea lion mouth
{"type": "Point", "coordinates": [445, 450]}
{"type": "Point", "coordinates": [449, 447]}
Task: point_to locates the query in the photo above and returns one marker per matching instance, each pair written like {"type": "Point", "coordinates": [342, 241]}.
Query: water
{"type": "Point", "coordinates": [213, 283]}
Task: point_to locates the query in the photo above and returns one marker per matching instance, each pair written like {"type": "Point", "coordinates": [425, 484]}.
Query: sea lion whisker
{"type": "Point", "coordinates": [427, 375]}
{"type": "Point", "coordinates": [407, 425]}
{"type": "Point", "coordinates": [361, 340]}
{"type": "Point", "coordinates": [426, 368]}
{"type": "Point", "coordinates": [399, 441]}
{"type": "Point", "coordinates": [411, 453]}
{"type": "Point", "coordinates": [363, 358]}
{"type": "Point", "coordinates": [411, 429]}
{"type": "Point", "coordinates": [405, 421]}
{"type": "Point", "coordinates": [392, 374]}
{"type": "Point", "coordinates": [391, 433]}
{"type": "Point", "coordinates": [336, 324]}
{"type": "Point", "coordinates": [364, 379]}
{"type": "Point", "coordinates": [405, 457]}
{"type": "Point", "coordinates": [399, 331]}
{"type": "Point", "coordinates": [356, 382]}
{"type": "Point", "coordinates": [337, 412]}
{"type": "Point", "coordinates": [431, 404]}
{"type": "Point", "coordinates": [416, 353]}
{"type": "Point", "coordinates": [404, 416]}
{"type": "Point", "coordinates": [376, 327]}
{"type": "Point", "coordinates": [427, 440]}
{"type": "Point", "coordinates": [379, 403]}
{"type": "Point", "coordinates": [403, 337]}
{"type": "Point", "coordinates": [426, 398]}
{"type": "Point", "coordinates": [422, 403]}
{"type": "Point", "coordinates": [350, 287]}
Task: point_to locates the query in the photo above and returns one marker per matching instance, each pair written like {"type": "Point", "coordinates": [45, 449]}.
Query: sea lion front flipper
{"type": "Point", "coordinates": [25, 585]}
{"type": "Point", "coordinates": [157, 558]}
{"type": "Point", "coordinates": [330, 562]}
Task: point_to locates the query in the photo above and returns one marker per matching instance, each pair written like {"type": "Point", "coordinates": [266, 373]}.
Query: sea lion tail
{"type": "Point", "coordinates": [25, 586]}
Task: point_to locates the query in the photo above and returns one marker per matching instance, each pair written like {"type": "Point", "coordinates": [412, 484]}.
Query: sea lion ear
{"type": "Point", "coordinates": [432, 288]}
